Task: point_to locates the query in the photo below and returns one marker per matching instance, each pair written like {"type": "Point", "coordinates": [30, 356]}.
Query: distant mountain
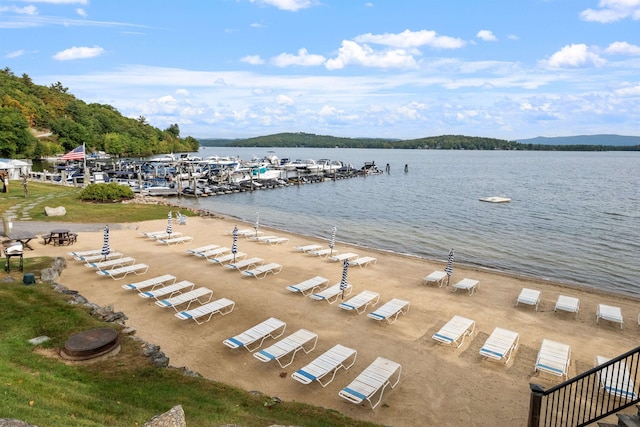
{"type": "Point", "coordinates": [606, 140]}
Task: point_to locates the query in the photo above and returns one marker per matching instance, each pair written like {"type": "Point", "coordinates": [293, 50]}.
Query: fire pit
{"type": "Point", "coordinates": [91, 344]}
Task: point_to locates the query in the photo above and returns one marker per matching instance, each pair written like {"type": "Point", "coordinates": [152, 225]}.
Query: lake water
{"type": "Point", "coordinates": [574, 216]}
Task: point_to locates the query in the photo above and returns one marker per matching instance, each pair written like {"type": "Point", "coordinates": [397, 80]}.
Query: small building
{"type": "Point", "coordinates": [15, 168]}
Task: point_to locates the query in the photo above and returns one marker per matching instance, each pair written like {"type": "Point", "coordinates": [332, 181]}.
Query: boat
{"type": "Point", "coordinates": [495, 199]}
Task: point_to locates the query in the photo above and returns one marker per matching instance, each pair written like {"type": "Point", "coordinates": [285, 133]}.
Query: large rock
{"type": "Point", "coordinates": [49, 275]}
{"type": "Point", "coordinates": [11, 422]}
{"type": "Point", "coordinates": [59, 264]}
{"type": "Point", "coordinates": [59, 211]}
{"type": "Point", "coordinates": [174, 417]}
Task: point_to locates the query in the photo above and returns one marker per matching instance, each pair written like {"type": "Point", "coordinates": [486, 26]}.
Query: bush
{"type": "Point", "coordinates": [111, 192]}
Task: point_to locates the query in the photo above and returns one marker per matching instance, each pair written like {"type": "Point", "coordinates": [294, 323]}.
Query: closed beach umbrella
{"type": "Point", "coordinates": [332, 240]}
{"type": "Point", "coordinates": [257, 224]}
{"type": "Point", "coordinates": [234, 246]}
{"type": "Point", "coordinates": [169, 227]}
{"type": "Point", "coordinates": [105, 245]}
{"type": "Point", "coordinates": [343, 281]}
{"type": "Point", "coordinates": [449, 268]}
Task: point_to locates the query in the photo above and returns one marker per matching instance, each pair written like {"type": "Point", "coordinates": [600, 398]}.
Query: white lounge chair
{"type": "Point", "coordinates": [155, 235]}
{"type": "Point", "coordinates": [500, 345]}
{"type": "Point", "coordinates": [569, 304]}
{"type": "Point", "coordinates": [277, 241]}
{"type": "Point", "coordinates": [168, 291]}
{"type": "Point", "coordinates": [164, 280]}
{"type": "Point", "coordinates": [224, 259]}
{"type": "Point", "coordinates": [390, 310]}
{"type": "Point", "coordinates": [360, 302]}
{"type": "Point", "coordinates": [212, 253]}
{"type": "Point", "coordinates": [374, 380]}
{"type": "Point", "coordinates": [331, 294]}
{"type": "Point", "coordinates": [176, 240]}
{"type": "Point", "coordinates": [529, 297]}
{"type": "Point", "coordinates": [437, 277]}
{"type": "Point", "coordinates": [554, 358]}
{"type": "Point", "coordinates": [112, 263]}
{"type": "Point", "coordinates": [202, 249]}
{"type": "Point", "coordinates": [245, 264]}
{"type": "Point", "coordinates": [202, 295]}
{"type": "Point", "coordinates": [610, 313]}
{"type": "Point", "coordinates": [309, 286]}
{"type": "Point", "coordinates": [346, 256]}
{"type": "Point", "coordinates": [261, 271]}
{"type": "Point", "coordinates": [248, 233]}
{"type": "Point", "coordinates": [615, 379]}
{"type": "Point", "coordinates": [362, 261]}
{"type": "Point", "coordinates": [307, 248]}
{"type": "Point", "coordinates": [327, 363]}
{"type": "Point", "coordinates": [122, 272]}
{"type": "Point", "coordinates": [455, 331]}
{"type": "Point", "coordinates": [323, 252]}
{"type": "Point", "coordinates": [220, 306]}
{"type": "Point", "coordinates": [252, 338]}
{"type": "Point", "coordinates": [99, 257]}
{"type": "Point", "coordinates": [261, 239]}
{"type": "Point", "coordinates": [78, 254]}
{"type": "Point", "coordinates": [302, 339]}
{"type": "Point", "coordinates": [470, 285]}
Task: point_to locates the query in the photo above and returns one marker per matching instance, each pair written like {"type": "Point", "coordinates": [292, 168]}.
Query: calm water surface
{"type": "Point", "coordinates": [574, 217]}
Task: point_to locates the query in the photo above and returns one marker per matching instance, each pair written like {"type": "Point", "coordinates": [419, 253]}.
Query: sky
{"type": "Point", "coordinates": [351, 68]}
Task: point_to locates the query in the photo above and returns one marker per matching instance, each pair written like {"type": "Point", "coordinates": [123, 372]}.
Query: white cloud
{"type": "Point", "coordinates": [284, 100]}
{"type": "Point", "coordinates": [80, 11]}
{"type": "Point", "coordinates": [290, 5]}
{"type": "Point", "coordinates": [27, 10]}
{"type": "Point", "coordinates": [622, 48]}
{"type": "Point", "coordinates": [486, 35]}
{"type": "Point", "coordinates": [303, 58]}
{"type": "Point", "coordinates": [629, 91]}
{"type": "Point", "coordinates": [78, 52]}
{"type": "Point", "coordinates": [252, 59]}
{"type": "Point", "coordinates": [182, 92]}
{"type": "Point", "coordinates": [612, 11]}
{"type": "Point", "coordinates": [409, 39]}
{"type": "Point", "coordinates": [351, 53]}
{"type": "Point", "coordinates": [14, 54]}
{"type": "Point", "coordinates": [574, 56]}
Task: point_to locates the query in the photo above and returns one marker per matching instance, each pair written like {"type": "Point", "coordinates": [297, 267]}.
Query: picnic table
{"type": "Point", "coordinates": [23, 237]}
{"type": "Point", "coordinates": [59, 237]}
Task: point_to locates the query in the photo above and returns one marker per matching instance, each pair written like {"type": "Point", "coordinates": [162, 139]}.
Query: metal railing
{"type": "Point", "coordinates": [589, 397]}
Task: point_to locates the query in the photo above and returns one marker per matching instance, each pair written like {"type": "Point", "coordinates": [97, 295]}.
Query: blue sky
{"type": "Point", "coordinates": [399, 69]}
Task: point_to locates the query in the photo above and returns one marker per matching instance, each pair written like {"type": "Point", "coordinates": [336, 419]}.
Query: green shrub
{"type": "Point", "coordinates": [111, 192]}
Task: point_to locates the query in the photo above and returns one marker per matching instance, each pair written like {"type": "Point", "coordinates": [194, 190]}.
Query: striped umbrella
{"type": "Point", "coordinates": [344, 282]}
{"type": "Point", "coordinates": [234, 247]}
{"type": "Point", "coordinates": [449, 268]}
{"type": "Point", "coordinates": [169, 229]}
{"type": "Point", "coordinates": [105, 245]}
{"type": "Point", "coordinates": [332, 240]}
{"type": "Point", "coordinates": [257, 224]}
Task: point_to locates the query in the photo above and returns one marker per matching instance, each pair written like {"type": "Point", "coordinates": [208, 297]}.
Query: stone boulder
{"type": "Point", "coordinates": [174, 417]}
{"type": "Point", "coordinates": [59, 211]}
{"type": "Point", "coordinates": [11, 422]}
{"type": "Point", "coordinates": [49, 275]}
{"type": "Point", "coordinates": [59, 264]}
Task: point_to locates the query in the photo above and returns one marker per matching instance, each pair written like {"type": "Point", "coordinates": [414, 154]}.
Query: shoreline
{"type": "Point", "coordinates": [439, 385]}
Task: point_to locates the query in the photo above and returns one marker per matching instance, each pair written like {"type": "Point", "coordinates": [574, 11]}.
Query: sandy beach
{"type": "Point", "coordinates": [439, 385]}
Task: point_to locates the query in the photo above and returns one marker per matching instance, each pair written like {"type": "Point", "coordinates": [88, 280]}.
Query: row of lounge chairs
{"type": "Point", "coordinates": [333, 255]}
{"type": "Point", "coordinates": [316, 288]}
{"type": "Point", "coordinates": [369, 385]}
{"type": "Point", "coordinates": [571, 304]}
{"type": "Point", "coordinates": [173, 238]}
{"type": "Point", "coordinates": [466, 284]}
{"type": "Point", "coordinates": [553, 357]}
{"type": "Point", "coordinates": [253, 267]}
{"type": "Point", "coordinates": [181, 295]}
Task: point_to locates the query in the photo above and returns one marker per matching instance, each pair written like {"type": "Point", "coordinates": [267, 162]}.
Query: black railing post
{"type": "Point", "coordinates": [535, 405]}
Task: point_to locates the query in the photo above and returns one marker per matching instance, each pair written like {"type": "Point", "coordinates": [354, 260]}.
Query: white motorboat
{"type": "Point", "coordinates": [495, 199]}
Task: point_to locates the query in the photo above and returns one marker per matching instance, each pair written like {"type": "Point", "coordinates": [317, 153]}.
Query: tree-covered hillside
{"type": "Point", "coordinates": [38, 121]}
{"type": "Point", "coordinates": [443, 142]}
